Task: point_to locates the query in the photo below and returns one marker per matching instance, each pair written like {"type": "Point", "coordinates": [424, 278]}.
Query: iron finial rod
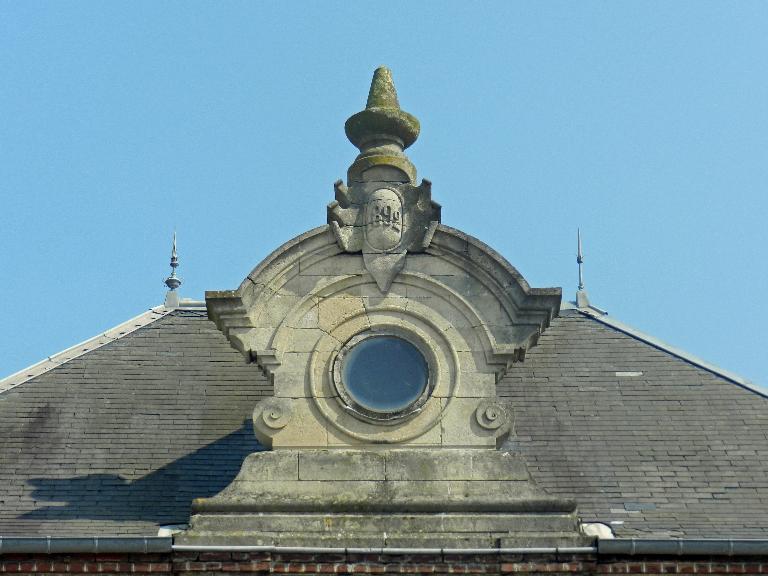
{"type": "Point", "coordinates": [579, 259]}
{"type": "Point", "coordinates": [173, 282]}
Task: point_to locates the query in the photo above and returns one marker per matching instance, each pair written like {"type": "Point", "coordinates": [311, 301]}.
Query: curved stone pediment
{"type": "Point", "coordinates": [460, 301]}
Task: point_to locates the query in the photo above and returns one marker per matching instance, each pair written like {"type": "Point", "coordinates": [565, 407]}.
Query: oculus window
{"type": "Point", "coordinates": [382, 376]}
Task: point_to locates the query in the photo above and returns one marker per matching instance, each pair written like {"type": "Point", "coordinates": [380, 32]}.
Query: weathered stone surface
{"type": "Point", "coordinates": [378, 496]}
{"type": "Point", "coordinates": [455, 464]}
{"type": "Point", "coordinates": [476, 385]}
{"type": "Point", "coordinates": [304, 427]}
{"type": "Point", "coordinates": [405, 480]}
{"type": "Point", "coordinates": [273, 465]}
{"type": "Point", "coordinates": [451, 530]}
{"type": "Point", "coordinates": [462, 426]}
{"type": "Point", "coordinates": [341, 465]}
{"type": "Point", "coordinates": [440, 530]}
{"type": "Point", "coordinates": [292, 315]}
{"type": "Point", "coordinates": [383, 268]}
{"type": "Point", "coordinates": [397, 523]}
{"type": "Point", "coordinates": [382, 131]}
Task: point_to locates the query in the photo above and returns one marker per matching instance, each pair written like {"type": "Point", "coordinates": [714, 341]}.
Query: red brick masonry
{"type": "Point", "coordinates": [226, 563]}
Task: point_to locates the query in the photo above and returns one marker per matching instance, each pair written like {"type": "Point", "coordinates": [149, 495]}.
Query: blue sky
{"type": "Point", "coordinates": [644, 123]}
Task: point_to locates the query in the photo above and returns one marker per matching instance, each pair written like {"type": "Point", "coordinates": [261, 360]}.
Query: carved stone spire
{"type": "Point", "coordinates": [382, 131]}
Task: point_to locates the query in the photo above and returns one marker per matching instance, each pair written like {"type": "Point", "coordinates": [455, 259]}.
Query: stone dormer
{"type": "Point", "coordinates": [384, 334]}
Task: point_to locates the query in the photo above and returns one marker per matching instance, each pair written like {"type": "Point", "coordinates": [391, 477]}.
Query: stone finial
{"type": "Point", "coordinates": [382, 212]}
{"type": "Point", "coordinates": [381, 132]}
{"type": "Point", "coordinates": [382, 93]}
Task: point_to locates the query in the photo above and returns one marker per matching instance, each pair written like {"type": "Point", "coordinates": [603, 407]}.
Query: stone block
{"type": "Point", "coordinates": [332, 265]}
{"type": "Point", "coordinates": [455, 464]}
{"type": "Point", "coordinates": [335, 310]}
{"type": "Point", "coordinates": [291, 384]}
{"type": "Point", "coordinates": [392, 524]}
{"type": "Point", "coordinates": [473, 362]}
{"type": "Point", "coordinates": [439, 540]}
{"type": "Point", "coordinates": [460, 426]}
{"type": "Point", "coordinates": [459, 316]}
{"type": "Point", "coordinates": [476, 385]}
{"type": "Point", "coordinates": [259, 338]}
{"type": "Point", "coordinates": [349, 326]}
{"type": "Point", "coordinates": [303, 428]}
{"type": "Point", "coordinates": [369, 289]}
{"type": "Point", "coordinates": [375, 496]}
{"type": "Point", "coordinates": [381, 302]}
{"type": "Point", "coordinates": [291, 377]}
{"type": "Point", "coordinates": [309, 318]}
{"type": "Point", "coordinates": [462, 339]}
{"type": "Point", "coordinates": [413, 431]}
{"type": "Point", "coordinates": [341, 465]}
{"type": "Point", "coordinates": [490, 308]}
{"type": "Point", "coordinates": [298, 339]}
{"type": "Point", "coordinates": [270, 465]}
{"type": "Point", "coordinates": [431, 265]}
{"type": "Point", "coordinates": [273, 310]}
{"type": "Point", "coordinates": [216, 534]}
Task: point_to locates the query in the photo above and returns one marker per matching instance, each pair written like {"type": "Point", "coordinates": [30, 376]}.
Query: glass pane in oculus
{"type": "Point", "coordinates": [385, 373]}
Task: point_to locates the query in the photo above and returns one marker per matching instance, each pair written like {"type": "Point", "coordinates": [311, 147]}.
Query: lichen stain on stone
{"type": "Point", "coordinates": [382, 93]}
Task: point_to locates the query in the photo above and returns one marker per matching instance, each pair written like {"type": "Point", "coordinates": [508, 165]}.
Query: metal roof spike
{"type": "Point", "coordinates": [173, 282]}
{"type": "Point", "coordinates": [582, 301]}
{"type": "Point", "coordinates": [579, 258]}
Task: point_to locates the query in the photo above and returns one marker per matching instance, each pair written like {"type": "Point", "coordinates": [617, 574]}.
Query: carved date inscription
{"type": "Point", "coordinates": [383, 222]}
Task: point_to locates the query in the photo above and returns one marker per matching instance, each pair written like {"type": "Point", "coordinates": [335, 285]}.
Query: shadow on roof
{"type": "Point", "coordinates": [162, 496]}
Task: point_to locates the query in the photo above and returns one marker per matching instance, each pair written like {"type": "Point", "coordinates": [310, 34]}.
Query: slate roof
{"type": "Point", "coordinates": [121, 438]}
{"type": "Point", "coordinates": [673, 451]}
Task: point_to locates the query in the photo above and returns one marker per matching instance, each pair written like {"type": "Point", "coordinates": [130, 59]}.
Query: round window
{"type": "Point", "coordinates": [382, 376]}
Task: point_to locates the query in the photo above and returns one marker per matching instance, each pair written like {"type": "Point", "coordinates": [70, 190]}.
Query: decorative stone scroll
{"type": "Point", "coordinates": [275, 413]}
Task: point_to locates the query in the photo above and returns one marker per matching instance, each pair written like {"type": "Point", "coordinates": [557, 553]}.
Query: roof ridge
{"type": "Point", "coordinates": [110, 335]}
{"type": "Point", "coordinates": [602, 317]}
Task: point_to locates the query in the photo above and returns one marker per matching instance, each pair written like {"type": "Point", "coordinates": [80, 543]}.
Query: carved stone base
{"type": "Point", "coordinates": [398, 498]}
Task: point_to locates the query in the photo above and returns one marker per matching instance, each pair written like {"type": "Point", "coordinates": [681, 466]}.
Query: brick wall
{"type": "Point", "coordinates": [227, 563]}
{"type": "Point", "coordinates": [86, 564]}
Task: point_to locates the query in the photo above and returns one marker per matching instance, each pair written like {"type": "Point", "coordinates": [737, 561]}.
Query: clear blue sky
{"type": "Point", "coordinates": [645, 123]}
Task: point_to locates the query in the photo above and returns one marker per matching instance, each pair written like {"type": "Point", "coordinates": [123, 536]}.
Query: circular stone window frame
{"type": "Point", "coordinates": [346, 399]}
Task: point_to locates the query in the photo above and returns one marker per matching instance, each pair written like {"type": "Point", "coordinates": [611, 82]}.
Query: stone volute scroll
{"type": "Point", "coordinates": [381, 212]}
{"type": "Point", "coordinates": [384, 334]}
